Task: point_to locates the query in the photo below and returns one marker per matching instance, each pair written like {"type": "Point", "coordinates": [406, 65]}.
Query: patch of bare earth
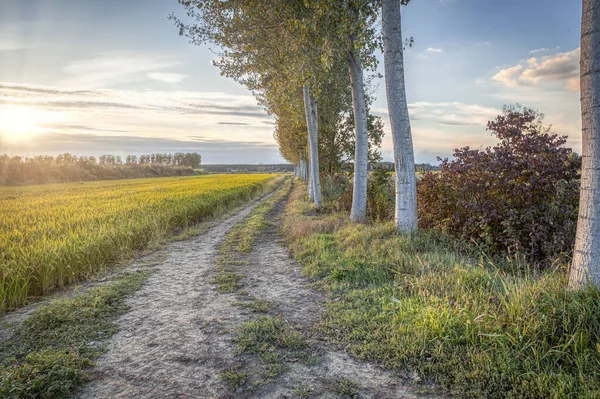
{"type": "Point", "coordinates": [180, 334]}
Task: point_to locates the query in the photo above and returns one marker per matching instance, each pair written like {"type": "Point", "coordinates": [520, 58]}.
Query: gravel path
{"type": "Point", "coordinates": [179, 335]}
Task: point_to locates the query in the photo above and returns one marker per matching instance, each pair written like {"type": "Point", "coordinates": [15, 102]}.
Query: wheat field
{"type": "Point", "coordinates": [53, 235]}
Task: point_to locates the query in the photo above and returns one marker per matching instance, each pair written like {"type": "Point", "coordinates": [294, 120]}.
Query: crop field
{"type": "Point", "coordinates": [53, 235]}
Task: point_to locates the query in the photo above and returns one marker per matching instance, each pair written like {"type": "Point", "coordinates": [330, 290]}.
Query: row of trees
{"type": "Point", "coordinates": [310, 64]}
{"type": "Point", "coordinates": [67, 167]}
{"type": "Point", "coordinates": [192, 159]}
{"type": "Point", "coordinates": [306, 60]}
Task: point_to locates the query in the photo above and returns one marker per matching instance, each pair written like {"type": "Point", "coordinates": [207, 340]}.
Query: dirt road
{"type": "Point", "coordinates": [180, 333]}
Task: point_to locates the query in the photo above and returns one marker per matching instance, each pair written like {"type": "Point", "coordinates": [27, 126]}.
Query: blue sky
{"type": "Point", "coordinates": [113, 76]}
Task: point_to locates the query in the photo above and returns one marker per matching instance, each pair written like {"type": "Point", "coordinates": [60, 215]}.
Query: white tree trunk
{"type": "Point", "coordinates": [312, 123]}
{"type": "Point", "coordinates": [359, 194]}
{"type": "Point", "coordinates": [315, 151]}
{"type": "Point", "coordinates": [586, 258]}
{"type": "Point", "coordinates": [404, 160]}
{"type": "Point", "coordinates": [311, 193]}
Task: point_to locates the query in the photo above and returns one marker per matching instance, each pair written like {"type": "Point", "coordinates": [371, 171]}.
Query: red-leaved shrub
{"type": "Point", "coordinates": [521, 194]}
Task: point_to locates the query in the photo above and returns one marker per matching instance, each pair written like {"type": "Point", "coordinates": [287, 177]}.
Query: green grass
{"type": "Point", "coordinates": [235, 377]}
{"type": "Point", "coordinates": [344, 388]}
{"type": "Point", "coordinates": [256, 305]}
{"type": "Point", "coordinates": [274, 342]}
{"type": "Point", "coordinates": [48, 355]}
{"type": "Point", "coordinates": [479, 327]}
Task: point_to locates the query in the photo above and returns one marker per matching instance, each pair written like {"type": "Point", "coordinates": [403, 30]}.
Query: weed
{"type": "Point", "coordinates": [227, 281]}
{"type": "Point", "coordinates": [236, 377]}
{"type": "Point", "coordinates": [48, 354]}
{"type": "Point", "coordinates": [344, 387]}
{"type": "Point", "coordinates": [303, 391]}
{"type": "Point", "coordinates": [257, 305]}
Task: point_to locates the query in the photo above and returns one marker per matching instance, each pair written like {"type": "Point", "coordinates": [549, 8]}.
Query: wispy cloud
{"type": "Point", "coordinates": [543, 50]}
{"type": "Point", "coordinates": [108, 70]}
{"type": "Point", "coordinates": [434, 50]}
{"type": "Point", "coordinates": [171, 78]}
{"type": "Point", "coordinates": [147, 115]}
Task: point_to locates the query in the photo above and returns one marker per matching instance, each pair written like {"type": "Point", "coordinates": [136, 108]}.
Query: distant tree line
{"type": "Point", "coordinates": [17, 170]}
{"type": "Point", "coordinates": [248, 168]}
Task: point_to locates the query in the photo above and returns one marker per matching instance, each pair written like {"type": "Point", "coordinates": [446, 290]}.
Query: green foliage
{"type": "Point", "coordinates": [478, 327]}
{"type": "Point", "coordinates": [380, 195]}
{"type": "Point", "coordinates": [44, 169]}
{"type": "Point", "coordinates": [258, 336]}
{"type": "Point", "coordinates": [344, 387]}
{"type": "Point", "coordinates": [48, 355]}
{"type": "Point", "coordinates": [47, 374]}
{"type": "Point", "coordinates": [520, 195]}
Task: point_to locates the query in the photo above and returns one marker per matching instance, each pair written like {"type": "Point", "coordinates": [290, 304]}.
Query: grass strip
{"type": "Point", "coordinates": [432, 307]}
{"type": "Point", "coordinates": [50, 353]}
{"type": "Point", "coordinates": [240, 241]}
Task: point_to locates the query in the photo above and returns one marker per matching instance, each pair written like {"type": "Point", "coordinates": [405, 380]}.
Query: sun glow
{"type": "Point", "coordinates": [19, 124]}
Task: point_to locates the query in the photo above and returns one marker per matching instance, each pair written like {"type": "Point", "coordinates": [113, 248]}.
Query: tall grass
{"type": "Point", "coordinates": [480, 327]}
{"type": "Point", "coordinates": [53, 235]}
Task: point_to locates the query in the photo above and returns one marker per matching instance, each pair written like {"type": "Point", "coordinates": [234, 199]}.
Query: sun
{"type": "Point", "coordinates": [19, 124]}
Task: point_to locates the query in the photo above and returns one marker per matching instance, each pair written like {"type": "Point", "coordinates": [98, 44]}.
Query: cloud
{"type": "Point", "coordinates": [509, 77]}
{"type": "Point", "coordinates": [113, 69]}
{"type": "Point", "coordinates": [543, 50]}
{"type": "Point", "coordinates": [7, 44]}
{"type": "Point", "coordinates": [434, 50]}
{"type": "Point", "coordinates": [452, 113]}
{"type": "Point", "coordinates": [172, 78]}
{"type": "Point", "coordinates": [148, 115]}
{"type": "Point", "coordinates": [560, 69]}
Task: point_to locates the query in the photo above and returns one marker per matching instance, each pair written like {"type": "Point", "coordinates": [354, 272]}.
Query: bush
{"type": "Point", "coordinates": [380, 195]}
{"type": "Point", "coordinates": [522, 194]}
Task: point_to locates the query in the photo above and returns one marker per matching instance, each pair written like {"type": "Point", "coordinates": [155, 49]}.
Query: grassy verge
{"type": "Point", "coordinates": [49, 354]}
{"type": "Point", "coordinates": [425, 304]}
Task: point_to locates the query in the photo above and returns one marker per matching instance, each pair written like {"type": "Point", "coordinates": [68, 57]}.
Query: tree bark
{"type": "Point", "coordinates": [359, 194]}
{"type": "Point", "coordinates": [586, 258]}
{"type": "Point", "coordinates": [312, 123]}
{"type": "Point", "coordinates": [404, 160]}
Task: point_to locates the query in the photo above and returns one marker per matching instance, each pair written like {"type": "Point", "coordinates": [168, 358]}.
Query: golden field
{"type": "Point", "coordinates": [52, 235]}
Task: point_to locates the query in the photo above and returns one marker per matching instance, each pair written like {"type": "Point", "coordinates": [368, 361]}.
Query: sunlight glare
{"type": "Point", "coordinates": [19, 124]}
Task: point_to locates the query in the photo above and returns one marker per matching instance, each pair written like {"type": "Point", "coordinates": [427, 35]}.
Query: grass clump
{"type": "Point", "coordinates": [235, 377]}
{"type": "Point", "coordinates": [479, 327]}
{"type": "Point", "coordinates": [344, 387]}
{"type": "Point", "coordinates": [274, 341]}
{"type": "Point", "coordinates": [257, 305]}
{"type": "Point", "coordinates": [227, 282]}
{"type": "Point", "coordinates": [48, 355]}
{"type": "Point", "coordinates": [268, 332]}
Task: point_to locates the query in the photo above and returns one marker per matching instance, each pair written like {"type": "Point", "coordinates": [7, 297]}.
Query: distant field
{"type": "Point", "coordinates": [52, 235]}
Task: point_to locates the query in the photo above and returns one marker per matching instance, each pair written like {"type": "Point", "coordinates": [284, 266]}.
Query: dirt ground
{"type": "Point", "coordinates": [179, 335]}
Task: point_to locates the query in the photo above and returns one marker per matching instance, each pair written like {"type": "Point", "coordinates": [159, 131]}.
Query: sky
{"type": "Point", "coordinates": [113, 76]}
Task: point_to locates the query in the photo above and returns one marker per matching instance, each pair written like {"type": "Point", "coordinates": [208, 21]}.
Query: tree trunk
{"type": "Point", "coordinates": [312, 123]}
{"type": "Point", "coordinates": [404, 160]}
{"type": "Point", "coordinates": [359, 194]}
{"type": "Point", "coordinates": [586, 258]}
